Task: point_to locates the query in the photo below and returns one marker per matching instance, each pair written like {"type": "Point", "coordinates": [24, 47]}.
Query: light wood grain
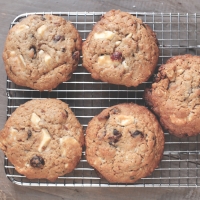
{"type": "Point", "coordinates": [8, 11]}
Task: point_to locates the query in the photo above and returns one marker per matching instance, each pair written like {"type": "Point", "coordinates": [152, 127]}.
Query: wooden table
{"type": "Point", "coordinates": [8, 11]}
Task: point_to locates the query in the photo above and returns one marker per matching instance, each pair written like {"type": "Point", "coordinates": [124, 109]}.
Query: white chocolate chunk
{"type": "Point", "coordinates": [47, 58]}
{"type": "Point", "coordinates": [129, 35]}
{"type": "Point", "coordinates": [46, 138]}
{"type": "Point", "coordinates": [40, 52]}
{"type": "Point", "coordinates": [107, 61]}
{"type": "Point", "coordinates": [123, 120]}
{"type": "Point", "coordinates": [104, 60]}
{"type": "Point", "coordinates": [21, 28]}
{"type": "Point", "coordinates": [177, 121]}
{"type": "Point", "coordinates": [171, 75]}
{"type": "Point", "coordinates": [180, 71]}
{"type": "Point", "coordinates": [125, 65]}
{"type": "Point", "coordinates": [190, 117]}
{"type": "Point", "coordinates": [27, 165]}
{"type": "Point", "coordinates": [41, 29]}
{"type": "Point", "coordinates": [13, 132]}
{"type": "Point", "coordinates": [12, 53]}
{"type": "Point", "coordinates": [22, 60]}
{"type": "Point", "coordinates": [35, 119]}
{"type": "Point", "coordinates": [104, 35]}
{"type": "Point", "coordinates": [66, 166]}
{"type": "Point", "coordinates": [67, 142]}
{"type": "Point", "coordinates": [117, 43]}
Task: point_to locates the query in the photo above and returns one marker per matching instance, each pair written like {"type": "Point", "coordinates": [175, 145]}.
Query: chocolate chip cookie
{"type": "Point", "coordinates": [124, 143]}
{"type": "Point", "coordinates": [121, 49]}
{"type": "Point", "coordinates": [42, 139]}
{"type": "Point", "coordinates": [175, 95]}
{"type": "Point", "coordinates": [41, 51]}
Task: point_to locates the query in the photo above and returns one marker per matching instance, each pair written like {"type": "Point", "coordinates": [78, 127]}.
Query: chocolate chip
{"type": "Point", "coordinates": [63, 49]}
{"type": "Point", "coordinates": [156, 78]}
{"type": "Point", "coordinates": [136, 133]}
{"type": "Point", "coordinates": [132, 177]}
{"type": "Point", "coordinates": [116, 132]}
{"type": "Point", "coordinates": [29, 133]}
{"type": "Point", "coordinates": [75, 55]}
{"type": "Point", "coordinates": [116, 56]}
{"type": "Point", "coordinates": [113, 140]}
{"type": "Point", "coordinates": [37, 161]}
{"type": "Point", "coordinates": [58, 37]}
{"type": "Point", "coordinates": [115, 110]}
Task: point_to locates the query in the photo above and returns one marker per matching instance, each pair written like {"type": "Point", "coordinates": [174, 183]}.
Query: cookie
{"type": "Point", "coordinates": [41, 52]}
{"type": "Point", "coordinates": [120, 49]}
{"type": "Point", "coordinates": [124, 143]}
{"type": "Point", "coordinates": [42, 139]}
{"type": "Point", "coordinates": [175, 95]}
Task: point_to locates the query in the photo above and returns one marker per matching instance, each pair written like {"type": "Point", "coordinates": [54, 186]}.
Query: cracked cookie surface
{"type": "Point", "coordinates": [174, 95]}
{"type": "Point", "coordinates": [120, 49]}
{"type": "Point", "coordinates": [43, 139]}
{"type": "Point", "coordinates": [41, 51]}
{"type": "Point", "coordinates": [124, 143]}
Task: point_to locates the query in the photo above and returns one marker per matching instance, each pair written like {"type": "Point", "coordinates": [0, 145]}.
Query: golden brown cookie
{"type": "Point", "coordinates": [124, 143]}
{"type": "Point", "coordinates": [42, 139]}
{"type": "Point", "coordinates": [120, 49]}
{"type": "Point", "coordinates": [41, 51]}
{"type": "Point", "coordinates": [175, 95]}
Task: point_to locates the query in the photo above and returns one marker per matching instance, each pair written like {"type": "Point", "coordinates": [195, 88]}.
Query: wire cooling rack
{"type": "Point", "coordinates": [180, 166]}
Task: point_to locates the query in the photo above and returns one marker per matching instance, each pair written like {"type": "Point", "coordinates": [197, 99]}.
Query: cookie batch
{"type": "Point", "coordinates": [125, 142]}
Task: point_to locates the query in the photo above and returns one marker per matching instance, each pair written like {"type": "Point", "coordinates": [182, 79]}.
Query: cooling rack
{"type": "Point", "coordinates": [180, 167]}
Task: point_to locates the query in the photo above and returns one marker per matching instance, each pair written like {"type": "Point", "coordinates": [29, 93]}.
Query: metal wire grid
{"type": "Point", "coordinates": [180, 167]}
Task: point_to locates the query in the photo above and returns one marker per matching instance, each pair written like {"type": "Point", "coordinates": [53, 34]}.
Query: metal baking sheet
{"type": "Point", "coordinates": [180, 167]}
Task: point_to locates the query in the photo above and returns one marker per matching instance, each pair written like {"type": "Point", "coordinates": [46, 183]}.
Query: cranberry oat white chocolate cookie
{"type": "Point", "coordinates": [121, 49]}
{"type": "Point", "coordinates": [175, 95]}
{"type": "Point", "coordinates": [41, 51]}
{"type": "Point", "coordinates": [43, 139]}
{"type": "Point", "coordinates": [124, 143]}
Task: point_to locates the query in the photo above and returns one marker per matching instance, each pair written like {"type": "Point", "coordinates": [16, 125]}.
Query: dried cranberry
{"type": "Point", "coordinates": [116, 56]}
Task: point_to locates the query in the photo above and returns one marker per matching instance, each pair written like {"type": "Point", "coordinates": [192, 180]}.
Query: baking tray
{"type": "Point", "coordinates": [180, 167]}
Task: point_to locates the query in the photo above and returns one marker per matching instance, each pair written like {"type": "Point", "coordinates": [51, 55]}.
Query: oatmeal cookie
{"type": "Point", "coordinates": [120, 49]}
{"type": "Point", "coordinates": [41, 51]}
{"type": "Point", "coordinates": [42, 139]}
{"type": "Point", "coordinates": [124, 143]}
{"type": "Point", "coordinates": [175, 95]}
